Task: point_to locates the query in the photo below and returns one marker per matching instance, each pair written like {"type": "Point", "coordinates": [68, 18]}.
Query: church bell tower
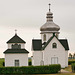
{"type": "Point", "coordinates": [49, 27]}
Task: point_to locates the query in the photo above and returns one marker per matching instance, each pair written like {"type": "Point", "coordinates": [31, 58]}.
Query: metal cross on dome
{"type": "Point", "coordinates": [15, 31]}
{"type": "Point", "coordinates": [49, 6]}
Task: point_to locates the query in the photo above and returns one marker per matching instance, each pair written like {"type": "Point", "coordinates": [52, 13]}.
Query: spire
{"type": "Point", "coordinates": [15, 31]}
{"type": "Point", "coordinates": [49, 7]}
{"type": "Point", "coordinates": [49, 15]}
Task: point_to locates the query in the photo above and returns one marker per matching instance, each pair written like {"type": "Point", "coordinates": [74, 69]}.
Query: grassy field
{"type": "Point", "coordinates": [1, 62]}
{"type": "Point", "coordinates": [71, 59]}
{"type": "Point", "coordinates": [59, 74]}
{"type": "Point", "coordinates": [68, 68]}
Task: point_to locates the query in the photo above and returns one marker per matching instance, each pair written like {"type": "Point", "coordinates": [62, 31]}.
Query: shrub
{"type": "Point", "coordinates": [31, 69]}
{"type": "Point", "coordinates": [70, 62]}
{"type": "Point", "coordinates": [29, 63]}
{"type": "Point", "coordinates": [3, 63]}
{"type": "Point", "coordinates": [73, 67]}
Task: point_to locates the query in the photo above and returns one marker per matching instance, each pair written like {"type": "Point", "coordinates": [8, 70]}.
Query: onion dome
{"type": "Point", "coordinates": [50, 25]}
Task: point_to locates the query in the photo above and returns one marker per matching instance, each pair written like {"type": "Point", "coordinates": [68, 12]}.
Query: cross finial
{"type": "Point", "coordinates": [49, 7]}
{"type": "Point", "coordinates": [16, 31]}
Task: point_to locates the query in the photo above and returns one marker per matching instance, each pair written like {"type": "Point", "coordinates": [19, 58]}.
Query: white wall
{"type": "Point", "coordinates": [10, 58]}
{"type": "Point", "coordinates": [58, 52]}
{"type": "Point", "coordinates": [10, 45]}
{"type": "Point", "coordinates": [66, 58]}
{"type": "Point", "coordinates": [37, 57]}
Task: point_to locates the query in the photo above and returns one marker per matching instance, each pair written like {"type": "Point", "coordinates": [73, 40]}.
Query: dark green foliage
{"type": "Point", "coordinates": [29, 63]}
{"type": "Point", "coordinates": [70, 62]}
{"type": "Point", "coordinates": [31, 69]}
{"type": "Point", "coordinates": [73, 67]}
{"type": "Point", "coordinates": [3, 63]}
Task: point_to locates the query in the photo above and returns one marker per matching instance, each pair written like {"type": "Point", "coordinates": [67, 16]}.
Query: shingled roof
{"type": "Point", "coordinates": [64, 42]}
{"type": "Point", "coordinates": [16, 39]}
{"type": "Point", "coordinates": [16, 51]}
{"type": "Point", "coordinates": [37, 44]}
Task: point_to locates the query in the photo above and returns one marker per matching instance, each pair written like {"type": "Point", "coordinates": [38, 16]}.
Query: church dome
{"type": "Point", "coordinates": [50, 25]}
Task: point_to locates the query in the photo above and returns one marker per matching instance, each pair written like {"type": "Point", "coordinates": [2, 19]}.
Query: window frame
{"type": "Point", "coordinates": [54, 45]}
{"type": "Point", "coordinates": [17, 63]}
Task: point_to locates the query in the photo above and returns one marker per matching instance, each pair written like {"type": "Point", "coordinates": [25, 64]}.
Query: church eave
{"type": "Point", "coordinates": [8, 51]}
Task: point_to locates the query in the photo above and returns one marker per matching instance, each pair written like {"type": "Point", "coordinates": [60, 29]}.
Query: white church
{"type": "Point", "coordinates": [50, 49]}
{"type": "Point", "coordinates": [16, 54]}
{"type": "Point", "coordinates": [45, 51]}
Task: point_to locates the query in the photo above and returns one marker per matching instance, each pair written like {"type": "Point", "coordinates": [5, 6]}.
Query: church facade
{"type": "Point", "coordinates": [16, 54]}
{"type": "Point", "coordinates": [50, 49]}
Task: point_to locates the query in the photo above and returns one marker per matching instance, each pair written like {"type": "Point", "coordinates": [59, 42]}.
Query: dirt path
{"type": "Point", "coordinates": [64, 71]}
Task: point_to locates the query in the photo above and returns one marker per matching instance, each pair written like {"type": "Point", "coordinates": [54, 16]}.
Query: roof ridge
{"type": "Point", "coordinates": [16, 39]}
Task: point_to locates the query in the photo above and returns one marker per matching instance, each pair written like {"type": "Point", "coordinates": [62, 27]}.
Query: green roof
{"type": "Point", "coordinates": [37, 44]}
{"type": "Point", "coordinates": [16, 51]}
{"type": "Point", "coordinates": [62, 41]}
{"type": "Point", "coordinates": [16, 39]}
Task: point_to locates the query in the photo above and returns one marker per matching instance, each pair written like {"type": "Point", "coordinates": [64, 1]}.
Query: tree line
{"type": "Point", "coordinates": [71, 56]}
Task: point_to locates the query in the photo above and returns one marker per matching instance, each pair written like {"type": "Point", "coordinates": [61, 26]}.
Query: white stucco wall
{"type": "Point", "coordinates": [59, 52]}
{"type": "Point", "coordinates": [10, 45]}
{"type": "Point", "coordinates": [66, 58]}
{"type": "Point", "coordinates": [37, 57]}
{"type": "Point", "coordinates": [10, 58]}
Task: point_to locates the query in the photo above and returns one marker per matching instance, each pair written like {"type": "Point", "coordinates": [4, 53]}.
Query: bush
{"type": "Point", "coordinates": [73, 67]}
{"type": "Point", "coordinates": [31, 69]}
{"type": "Point", "coordinates": [70, 62]}
{"type": "Point", "coordinates": [3, 63]}
{"type": "Point", "coordinates": [29, 63]}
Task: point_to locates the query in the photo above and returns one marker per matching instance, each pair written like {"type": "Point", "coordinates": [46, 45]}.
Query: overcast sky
{"type": "Point", "coordinates": [27, 16]}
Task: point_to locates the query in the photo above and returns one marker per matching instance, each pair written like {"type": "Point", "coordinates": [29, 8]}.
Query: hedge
{"type": "Point", "coordinates": [29, 63]}
{"type": "Point", "coordinates": [31, 69]}
{"type": "Point", "coordinates": [73, 67]}
{"type": "Point", "coordinates": [70, 62]}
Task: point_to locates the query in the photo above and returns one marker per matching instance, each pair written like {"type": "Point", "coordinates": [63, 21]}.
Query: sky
{"type": "Point", "coordinates": [27, 16]}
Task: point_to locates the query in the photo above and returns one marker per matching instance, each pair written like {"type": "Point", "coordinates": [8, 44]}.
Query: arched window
{"type": "Point", "coordinates": [54, 45]}
{"type": "Point", "coordinates": [44, 37]}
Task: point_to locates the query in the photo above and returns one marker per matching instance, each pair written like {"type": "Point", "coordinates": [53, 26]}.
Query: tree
{"type": "Point", "coordinates": [74, 56]}
{"type": "Point", "coordinates": [70, 55]}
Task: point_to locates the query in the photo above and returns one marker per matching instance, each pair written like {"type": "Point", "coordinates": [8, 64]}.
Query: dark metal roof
{"type": "Point", "coordinates": [37, 44]}
{"type": "Point", "coordinates": [16, 39]}
{"type": "Point", "coordinates": [16, 51]}
{"type": "Point", "coordinates": [64, 42]}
